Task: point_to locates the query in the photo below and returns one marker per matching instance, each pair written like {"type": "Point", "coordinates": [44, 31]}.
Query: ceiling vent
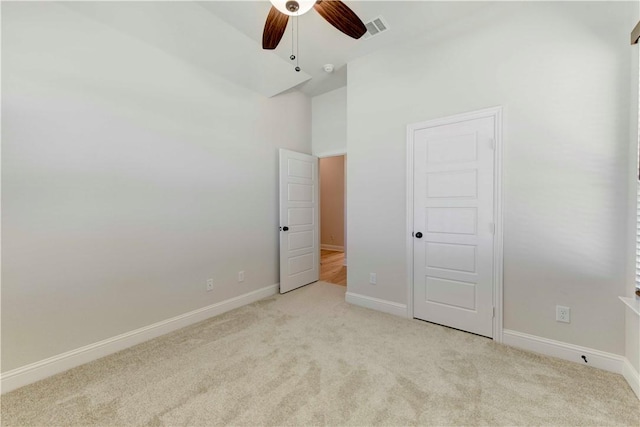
{"type": "Point", "coordinates": [375, 27]}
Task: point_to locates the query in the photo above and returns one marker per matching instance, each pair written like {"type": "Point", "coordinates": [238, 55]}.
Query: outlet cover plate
{"type": "Point", "coordinates": [563, 314]}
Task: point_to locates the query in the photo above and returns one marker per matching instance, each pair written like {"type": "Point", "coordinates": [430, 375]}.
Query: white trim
{"type": "Point", "coordinates": [331, 154]}
{"type": "Point", "coordinates": [633, 303]}
{"type": "Point", "coordinates": [33, 372]}
{"type": "Point", "coordinates": [562, 350]}
{"type": "Point", "coordinates": [498, 239]}
{"type": "Point", "coordinates": [496, 113]}
{"type": "Point", "coordinates": [632, 377]}
{"type": "Point", "coordinates": [332, 248]}
{"type": "Point", "coordinates": [637, 236]}
{"type": "Point", "coordinates": [390, 307]}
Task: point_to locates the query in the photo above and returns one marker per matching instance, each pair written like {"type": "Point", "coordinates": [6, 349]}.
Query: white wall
{"type": "Point", "coordinates": [562, 73]}
{"type": "Point", "coordinates": [329, 123]}
{"type": "Point", "coordinates": [129, 178]}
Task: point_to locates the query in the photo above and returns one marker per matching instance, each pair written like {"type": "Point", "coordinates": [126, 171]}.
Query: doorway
{"type": "Point", "coordinates": [333, 241]}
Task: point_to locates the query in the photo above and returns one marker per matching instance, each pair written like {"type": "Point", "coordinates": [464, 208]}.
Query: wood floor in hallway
{"type": "Point", "coordinates": [332, 269]}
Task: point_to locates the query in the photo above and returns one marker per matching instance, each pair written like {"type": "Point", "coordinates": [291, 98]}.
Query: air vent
{"type": "Point", "coordinates": [375, 27]}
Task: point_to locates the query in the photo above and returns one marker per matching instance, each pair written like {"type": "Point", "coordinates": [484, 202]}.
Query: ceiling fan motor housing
{"type": "Point", "coordinates": [334, 12]}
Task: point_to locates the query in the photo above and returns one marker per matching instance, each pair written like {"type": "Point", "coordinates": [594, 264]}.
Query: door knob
{"type": "Point", "coordinates": [419, 235]}
{"type": "Point", "coordinates": [285, 228]}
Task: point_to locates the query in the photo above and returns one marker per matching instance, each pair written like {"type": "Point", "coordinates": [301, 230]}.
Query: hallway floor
{"type": "Point", "coordinates": [332, 269]}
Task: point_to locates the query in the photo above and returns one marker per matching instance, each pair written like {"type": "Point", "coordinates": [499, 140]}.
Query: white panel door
{"type": "Point", "coordinates": [454, 225]}
{"type": "Point", "coordinates": [299, 248]}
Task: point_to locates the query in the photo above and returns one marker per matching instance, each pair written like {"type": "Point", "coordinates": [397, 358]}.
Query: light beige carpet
{"type": "Point", "coordinates": [309, 358]}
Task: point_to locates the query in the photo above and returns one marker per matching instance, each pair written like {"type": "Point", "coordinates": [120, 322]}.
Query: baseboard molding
{"type": "Point", "coordinates": [631, 375]}
{"type": "Point", "coordinates": [377, 304]}
{"type": "Point", "coordinates": [562, 350]}
{"type": "Point", "coordinates": [332, 248]}
{"type": "Point", "coordinates": [33, 372]}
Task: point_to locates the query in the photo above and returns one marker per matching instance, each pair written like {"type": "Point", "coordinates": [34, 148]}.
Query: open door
{"type": "Point", "coordinates": [299, 247]}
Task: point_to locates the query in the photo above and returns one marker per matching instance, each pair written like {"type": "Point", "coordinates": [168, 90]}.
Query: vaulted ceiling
{"type": "Point", "coordinates": [224, 37]}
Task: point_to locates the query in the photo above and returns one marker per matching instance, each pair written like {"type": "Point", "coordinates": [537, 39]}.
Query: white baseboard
{"type": "Point", "coordinates": [631, 375]}
{"type": "Point", "coordinates": [377, 304]}
{"type": "Point", "coordinates": [33, 372]}
{"type": "Point", "coordinates": [332, 248]}
{"type": "Point", "coordinates": [562, 350]}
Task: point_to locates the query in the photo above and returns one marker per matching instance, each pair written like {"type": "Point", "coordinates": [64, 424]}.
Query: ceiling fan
{"type": "Point", "coordinates": [335, 12]}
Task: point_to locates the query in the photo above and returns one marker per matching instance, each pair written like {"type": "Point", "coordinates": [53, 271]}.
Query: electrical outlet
{"type": "Point", "coordinates": [209, 285]}
{"type": "Point", "coordinates": [373, 278]}
{"type": "Point", "coordinates": [563, 314]}
{"type": "Point", "coordinates": [241, 276]}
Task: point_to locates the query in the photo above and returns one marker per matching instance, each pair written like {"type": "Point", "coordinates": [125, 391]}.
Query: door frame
{"type": "Point", "coordinates": [498, 246]}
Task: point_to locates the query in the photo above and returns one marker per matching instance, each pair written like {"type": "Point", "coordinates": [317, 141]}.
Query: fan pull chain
{"type": "Point", "coordinates": [297, 45]}
{"type": "Point", "coordinates": [292, 57]}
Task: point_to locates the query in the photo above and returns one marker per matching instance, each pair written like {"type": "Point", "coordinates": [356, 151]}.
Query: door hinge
{"type": "Point", "coordinates": [492, 143]}
{"type": "Point", "coordinates": [492, 228]}
{"type": "Point", "coordinates": [494, 312]}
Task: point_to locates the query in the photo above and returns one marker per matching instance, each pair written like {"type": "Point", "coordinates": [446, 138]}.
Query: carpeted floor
{"type": "Point", "coordinates": [309, 358]}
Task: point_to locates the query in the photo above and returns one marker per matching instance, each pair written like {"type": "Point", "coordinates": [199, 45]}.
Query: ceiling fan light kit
{"type": "Point", "coordinates": [293, 7]}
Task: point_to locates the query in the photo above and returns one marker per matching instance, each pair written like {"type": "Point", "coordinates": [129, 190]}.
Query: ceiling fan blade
{"type": "Point", "coordinates": [274, 28]}
{"type": "Point", "coordinates": [340, 16]}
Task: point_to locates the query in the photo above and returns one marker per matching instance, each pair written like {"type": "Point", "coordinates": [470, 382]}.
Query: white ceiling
{"type": "Point", "coordinates": [320, 43]}
{"type": "Point", "coordinates": [225, 37]}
